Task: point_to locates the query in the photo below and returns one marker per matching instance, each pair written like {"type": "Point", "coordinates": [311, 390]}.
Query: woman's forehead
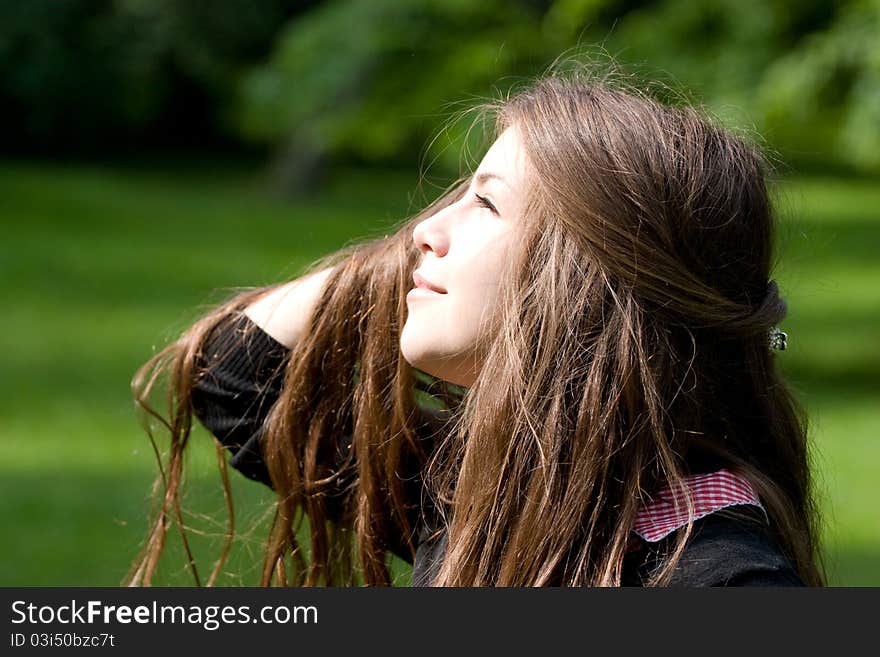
{"type": "Point", "coordinates": [504, 162]}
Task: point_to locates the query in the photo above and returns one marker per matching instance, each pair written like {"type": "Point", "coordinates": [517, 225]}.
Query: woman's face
{"type": "Point", "coordinates": [465, 247]}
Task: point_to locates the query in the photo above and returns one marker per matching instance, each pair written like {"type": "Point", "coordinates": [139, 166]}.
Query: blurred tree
{"type": "Point", "coordinates": [805, 73]}
{"type": "Point", "coordinates": [823, 94]}
{"type": "Point", "coordinates": [373, 79]}
{"type": "Point", "coordinates": [95, 75]}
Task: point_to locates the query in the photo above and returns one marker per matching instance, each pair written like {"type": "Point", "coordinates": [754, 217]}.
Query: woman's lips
{"type": "Point", "coordinates": [423, 283]}
{"type": "Point", "coordinates": [422, 293]}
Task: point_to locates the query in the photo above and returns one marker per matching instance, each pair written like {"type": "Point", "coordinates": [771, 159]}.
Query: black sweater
{"type": "Point", "coordinates": [245, 374]}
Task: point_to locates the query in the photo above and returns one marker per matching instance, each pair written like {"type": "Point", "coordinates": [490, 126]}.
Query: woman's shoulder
{"type": "Point", "coordinates": [724, 549]}
{"type": "Point", "coordinates": [731, 550]}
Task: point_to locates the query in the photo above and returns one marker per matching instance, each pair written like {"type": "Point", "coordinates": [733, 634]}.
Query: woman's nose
{"type": "Point", "coordinates": [430, 234]}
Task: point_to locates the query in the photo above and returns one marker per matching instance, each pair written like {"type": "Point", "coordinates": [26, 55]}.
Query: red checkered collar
{"type": "Point", "coordinates": [668, 511]}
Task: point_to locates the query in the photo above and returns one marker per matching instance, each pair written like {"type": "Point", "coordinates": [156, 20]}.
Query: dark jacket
{"type": "Point", "coordinates": [245, 374]}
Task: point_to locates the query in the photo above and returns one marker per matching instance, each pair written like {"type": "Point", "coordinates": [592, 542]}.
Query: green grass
{"type": "Point", "coordinates": [102, 266]}
{"type": "Point", "coordinates": [830, 273]}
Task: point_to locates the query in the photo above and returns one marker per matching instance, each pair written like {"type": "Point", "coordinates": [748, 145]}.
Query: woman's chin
{"type": "Point", "coordinates": [411, 353]}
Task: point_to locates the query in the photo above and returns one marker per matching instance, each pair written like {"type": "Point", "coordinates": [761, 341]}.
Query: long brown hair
{"type": "Point", "coordinates": [631, 351]}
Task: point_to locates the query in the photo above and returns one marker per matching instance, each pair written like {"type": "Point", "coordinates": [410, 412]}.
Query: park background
{"type": "Point", "coordinates": [157, 154]}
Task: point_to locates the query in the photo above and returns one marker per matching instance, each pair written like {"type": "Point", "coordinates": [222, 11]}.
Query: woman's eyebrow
{"type": "Point", "coordinates": [484, 177]}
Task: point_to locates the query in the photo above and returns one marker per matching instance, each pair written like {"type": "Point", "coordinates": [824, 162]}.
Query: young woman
{"type": "Point", "coordinates": [560, 373]}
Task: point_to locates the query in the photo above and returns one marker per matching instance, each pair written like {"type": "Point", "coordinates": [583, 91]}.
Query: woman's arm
{"type": "Point", "coordinates": [284, 312]}
{"type": "Point", "coordinates": [244, 362]}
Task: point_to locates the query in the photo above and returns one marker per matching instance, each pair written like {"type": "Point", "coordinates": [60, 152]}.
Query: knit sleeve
{"type": "Point", "coordinates": [244, 371]}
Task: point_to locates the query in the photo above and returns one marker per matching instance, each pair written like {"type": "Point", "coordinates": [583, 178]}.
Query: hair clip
{"type": "Point", "coordinates": [778, 339]}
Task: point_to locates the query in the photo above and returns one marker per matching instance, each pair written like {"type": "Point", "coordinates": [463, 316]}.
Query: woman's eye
{"type": "Point", "coordinates": [486, 203]}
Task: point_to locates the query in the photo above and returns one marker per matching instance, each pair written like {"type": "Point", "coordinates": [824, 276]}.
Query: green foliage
{"type": "Point", "coordinates": [377, 79]}
{"type": "Point", "coordinates": [831, 81]}
{"type": "Point", "coordinates": [92, 75]}
{"type": "Point", "coordinates": [72, 70]}
{"type": "Point", "coordinates": [374, 79]}
{"type": "Point", "coordinates": [806, 75]}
